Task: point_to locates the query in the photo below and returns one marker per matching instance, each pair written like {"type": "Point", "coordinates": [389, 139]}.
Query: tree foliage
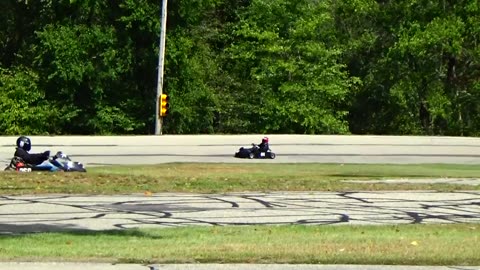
{"type": "Point", "coordinates": [241, 66]}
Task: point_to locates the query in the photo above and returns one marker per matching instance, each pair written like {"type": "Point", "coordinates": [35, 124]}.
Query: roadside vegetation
{"type": "Point", "coordinates": [241, 66]}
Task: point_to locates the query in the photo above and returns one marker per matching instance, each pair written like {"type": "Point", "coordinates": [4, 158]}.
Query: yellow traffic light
{"type": "Point", "coordinates": [164, 104]}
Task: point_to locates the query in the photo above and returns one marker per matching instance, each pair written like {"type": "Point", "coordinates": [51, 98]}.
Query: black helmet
{"type": "Point", "coordinates": [24, 143]}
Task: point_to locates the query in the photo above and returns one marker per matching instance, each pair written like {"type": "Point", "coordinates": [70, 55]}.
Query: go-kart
{"type": "Point", "coordinates": [254, 152]}
{"type": "Point", "coordinates": [59, 162]}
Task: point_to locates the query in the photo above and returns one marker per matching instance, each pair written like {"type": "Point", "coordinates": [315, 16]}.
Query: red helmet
{"type": "Point", "coordinates": [265, 139]}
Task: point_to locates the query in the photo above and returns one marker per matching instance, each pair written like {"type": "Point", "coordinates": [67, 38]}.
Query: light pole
{"type": "Point", "coordinates": [161, 59]}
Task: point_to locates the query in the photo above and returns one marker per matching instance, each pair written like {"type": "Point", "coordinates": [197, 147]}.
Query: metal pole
{"type": "Point", "coordinates": [161, 58]}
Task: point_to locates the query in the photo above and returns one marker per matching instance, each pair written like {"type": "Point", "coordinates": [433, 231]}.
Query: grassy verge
{"type": "Point", "coordinates": [214, 178]}
{"type": "Point", "coordinates": [453, 244]}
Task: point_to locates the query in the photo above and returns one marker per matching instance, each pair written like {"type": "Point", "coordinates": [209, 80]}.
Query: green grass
{"type": "Point", "coordinates": [214, 178]}
{"type": "Point", "coordinates": [456, 244]}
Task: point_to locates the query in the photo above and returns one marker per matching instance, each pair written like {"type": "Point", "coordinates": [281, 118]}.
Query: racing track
{"type": "Point", "coordinates": [106, 150]}
{"type": "Point", "coordinates": [21, 214]}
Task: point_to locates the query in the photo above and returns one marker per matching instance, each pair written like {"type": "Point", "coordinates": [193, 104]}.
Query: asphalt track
{"type": "Point", "coordinates": [106, 150]}
{"type": "Point", "coordinates": [49, 213]}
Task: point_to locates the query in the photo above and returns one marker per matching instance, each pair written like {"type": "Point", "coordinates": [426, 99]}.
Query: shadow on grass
{"type": "Point", "coordinates": [8, 231]}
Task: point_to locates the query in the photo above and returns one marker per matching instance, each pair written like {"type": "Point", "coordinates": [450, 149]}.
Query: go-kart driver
{"type": "Point", "coordinates": [263, 146]}
{"type": "Point", "coordinates": [24, 144]}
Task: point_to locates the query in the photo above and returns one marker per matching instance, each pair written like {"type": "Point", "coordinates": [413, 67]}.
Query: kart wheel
{"type": "Point", "coordinates": [272, 155]}
{"type": "Point", "coordinates": [251, 155]}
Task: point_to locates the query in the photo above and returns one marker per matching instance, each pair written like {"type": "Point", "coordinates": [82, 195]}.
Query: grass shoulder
{"type": "Point", "coordinates": [447, 244]}
{"type": "Point", "coordinates": [219, 178]}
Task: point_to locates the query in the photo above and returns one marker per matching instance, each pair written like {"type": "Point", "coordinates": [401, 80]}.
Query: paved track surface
{"type": "Point", "coordinates": [23, 214]}
{"type": "Point", "coordinates": [94, 150]}
{"type": "Point", "coordinates": [103, 266]}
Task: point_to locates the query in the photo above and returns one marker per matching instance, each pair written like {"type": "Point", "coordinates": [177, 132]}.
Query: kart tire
{"type": "Point", "coordinates": [251, 155]}
{"type": "Point", "coordinates": [272, 155]}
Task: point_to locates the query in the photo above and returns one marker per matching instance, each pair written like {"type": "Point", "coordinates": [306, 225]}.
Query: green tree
{"type": "Point", "coordinates": [287, 55]}
{"type": "Point", "coordinates": [421, 77]}
{"type": "Point", "coordinates": [23, 108]}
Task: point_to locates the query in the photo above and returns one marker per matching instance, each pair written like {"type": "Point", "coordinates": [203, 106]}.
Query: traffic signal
{"type": "Point", "coordinates": [164, 105]}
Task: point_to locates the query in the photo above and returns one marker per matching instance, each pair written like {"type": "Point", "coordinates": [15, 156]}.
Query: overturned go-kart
{"type": "Point", "coordinates": [59, 162]}
{"type": "Point", "coordinates": [254, 152]}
